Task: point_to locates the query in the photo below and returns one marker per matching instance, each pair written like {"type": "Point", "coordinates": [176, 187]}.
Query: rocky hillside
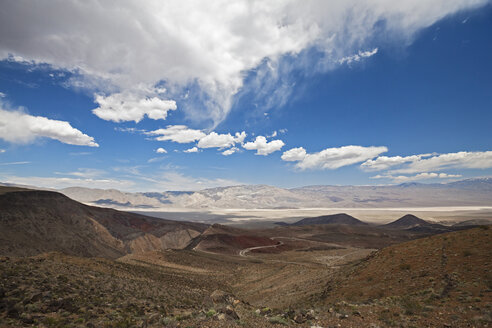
{"type": "Point", "coordinates": [439, 281]}
{"type": "Point", "coordinates": [35, 221]}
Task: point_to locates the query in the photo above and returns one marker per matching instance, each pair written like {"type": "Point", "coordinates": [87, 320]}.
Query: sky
{"type": "Point", "coordinates": [187, 95]}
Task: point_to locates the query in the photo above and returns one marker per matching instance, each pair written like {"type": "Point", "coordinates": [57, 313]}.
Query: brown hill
{"type": "Point", "coordinates": [407, 221]}
{"type": "Point", "coordinates": [228, 240]}
{"type": "Point", "coordinates": [35, 221]}
{"type": "Point", "coordinates": [340, 218]}
{"type": "Point", "coordinates": [443, 280]}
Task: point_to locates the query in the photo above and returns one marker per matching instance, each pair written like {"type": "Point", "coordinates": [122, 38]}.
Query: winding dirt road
{"type": "Point", "coordinates": [247, 250]}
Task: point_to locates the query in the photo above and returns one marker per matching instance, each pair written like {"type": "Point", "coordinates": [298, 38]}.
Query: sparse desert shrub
{"type": "Point", "coordinates": [210, 313]}
{"type": "Point", "coordinates": [411, 306]}
{"type": "Point", "coordinates": [278, 320]}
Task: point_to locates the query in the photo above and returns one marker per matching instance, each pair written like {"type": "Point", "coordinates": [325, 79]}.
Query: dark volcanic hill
{"type": "Point", "coordinates": [35, 221]}
{"type": "Point", "coordinates": [340, 218]}
{"type": "Point", "coordinates": [407, 222]}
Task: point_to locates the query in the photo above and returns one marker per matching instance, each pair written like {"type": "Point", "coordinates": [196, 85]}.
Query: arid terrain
{"type": "Point", "coordinates": [65, 264]}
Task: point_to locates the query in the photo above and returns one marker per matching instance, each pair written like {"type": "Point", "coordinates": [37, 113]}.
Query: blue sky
{"type": "Point", "coordinates": [244, 99]}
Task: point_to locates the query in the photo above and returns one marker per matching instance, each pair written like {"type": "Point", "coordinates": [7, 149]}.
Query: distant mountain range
{"type": "Point", "coordinates": [469, 192]}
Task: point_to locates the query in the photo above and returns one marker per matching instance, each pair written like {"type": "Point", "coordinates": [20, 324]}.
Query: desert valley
{"type": "Point", "coordinates": [246, 163]}
{"type": "Point", "coordinates": [65, 263]}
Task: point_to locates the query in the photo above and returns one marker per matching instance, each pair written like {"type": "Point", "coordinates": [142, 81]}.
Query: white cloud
{"type": "Point", "coordinates": [2, 151]}
{"type": "Point", "coordinates": [358, 57]}
{"type": "Point", "coordinates": [177, 181]}
{"type": "Point", "coordinates": [88, 173]}
{"type": "Point", "coordinates": [230, 151]}
{"type": "Point", "coordinates": [294, 154]}
{"type": "Point", "coordinates": [191, 150]}
{"type": "Point", "coordinates": [2, 95]}
{"type": "Point", "coordinates": [263, 147]}
{"type": "Point", "coordinates": [331, 158]}
{"type": "Point", "coordinates": [430, 162]}
{"type": "Point", "coordinates": [420, 176]}
{"type": "Point", "coordinates": [120, 107]}
{"type": "Point", "coordinates": [15, 163]}
{"type": "Point", "coordinates": [385, 162]}
{"type": "Point", "coordinates": [128, 46]}
{"type": "Point", "coordinates": [459, 160]}
{"type": "Point", "coordinates": [161, 150]}
{"type": "Point", "coordinates": [178, 133]}
{"type": "Point", "coordinates": [18, 127]}
{"type": "Point", "coordinates": [215, 140]}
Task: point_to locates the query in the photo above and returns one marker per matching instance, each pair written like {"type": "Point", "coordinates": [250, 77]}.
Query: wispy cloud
{"type": "Point", "coordinates": [417, 177]}
{"type": "Point", "coordinates": [431, 162]}
{"type": "Point", "coordinates": [358, 56]}
{"type": "Point", "coordinates": [15, 163]}
{"type": "Point", "coordinates": [204, 61]}
{"type": "Point", "coordinates": [64, 182]}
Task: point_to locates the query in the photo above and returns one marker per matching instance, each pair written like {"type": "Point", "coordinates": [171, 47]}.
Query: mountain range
{"type": "Point", "coordinates": [470, 192]}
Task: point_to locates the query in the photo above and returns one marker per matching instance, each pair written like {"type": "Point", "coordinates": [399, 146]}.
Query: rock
{"type": "Point", "coordinates": [36, 297]}
{"type": "Point", "coordinates": [299, 318]}
{"type": "Point", "coordinates": [290, 314]}
{"type": "Point", "coordinates": [229, 312]}
{"type": "Point", "coordinates": [236, 302]}
{"type": "Point", "coordinates": [258, 311]}
{"type": "Point", "coordinates": [309, 315]}
{"type": "Point", "coordinates": [219, 296]}
{"type": "Point", "coordinates": [155, 317]}
{"type": "Point", "coordinates": [26, 318]}
{"type": "Point", "coordinates": [221, 316]}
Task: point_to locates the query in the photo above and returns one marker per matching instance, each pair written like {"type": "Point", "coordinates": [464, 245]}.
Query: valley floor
{"type": "Point", "coordinates": [439, 281]}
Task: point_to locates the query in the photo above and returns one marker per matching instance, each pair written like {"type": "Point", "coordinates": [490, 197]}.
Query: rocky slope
{"type": "Point", "coordinates": [35, 221]}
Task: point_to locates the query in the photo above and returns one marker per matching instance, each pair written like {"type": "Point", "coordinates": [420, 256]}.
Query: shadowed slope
{"type": "Point", "coordinates": [36, 221]}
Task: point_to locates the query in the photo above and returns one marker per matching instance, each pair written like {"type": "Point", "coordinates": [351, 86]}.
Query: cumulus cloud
{"type": "Point", "coordinates": [420, 176]}
{"type": "Point", "coordinates": [19, 127]}
{"type": "Point", "coordinates": [178, 133]}
{"type": "Point", "coordinates": [127, 46]}
{"type": "Point", "coordinates": [230, 151]}
{"type": "Point", "coordinates": [119, 107]}
{"type": "Point", "coordinates": [161, 150]}
{"type": "Point", "coordinates": [385, 162]}
{"type": "Point", "coordinates": [331, 158]}
{"type": "Point", "coordinates": [215, 140]}
{"type": "Point", "coordinates": [183, 134]}
{"type": "Point", "coordinates": [431, 162]}
{"type": "Point", "coordinates": [2, 151]}
{"type": "Point", "coordinates": [264, 147]}
{"type": "Point", "coordinates": [294, 154]}
{"type": "Point", "coordinates": [191, 150]}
